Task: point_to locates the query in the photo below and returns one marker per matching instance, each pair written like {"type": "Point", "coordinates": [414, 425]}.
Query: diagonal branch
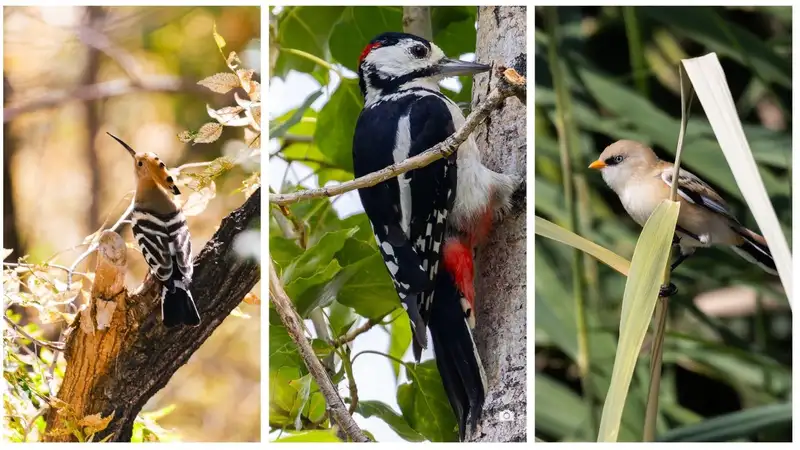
{"type": "Point", "coordinates": [114, 370]}
{"type": "Point", "coordinates": [289, 317]}
{"type": "Point", "coordinates": [510, 83]}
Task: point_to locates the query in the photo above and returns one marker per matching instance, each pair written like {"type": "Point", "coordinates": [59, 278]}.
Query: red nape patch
{"type": "Point", "coordinates": [458, 262]}
{"type": "Point", "coordinates": [368, 49]}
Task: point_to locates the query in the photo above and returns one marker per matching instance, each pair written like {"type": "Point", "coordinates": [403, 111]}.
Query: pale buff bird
{"type": "Point", "coordinates": [642, 181]}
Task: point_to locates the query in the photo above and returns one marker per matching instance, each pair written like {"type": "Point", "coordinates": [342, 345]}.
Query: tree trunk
{"type": "Point", "coordinates": [501, 279]}
{"type": "Point", "coordinates": [118, 352]}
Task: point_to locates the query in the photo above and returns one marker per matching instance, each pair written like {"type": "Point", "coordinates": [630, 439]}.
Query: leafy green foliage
{"type": "Point", "coordinates": [330, 265]}
{"type": "Point", "coordinates": [733, 361]}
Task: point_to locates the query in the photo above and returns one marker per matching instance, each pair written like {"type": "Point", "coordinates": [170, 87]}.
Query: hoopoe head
{"type": "Point", "coordinates": [147, 165]}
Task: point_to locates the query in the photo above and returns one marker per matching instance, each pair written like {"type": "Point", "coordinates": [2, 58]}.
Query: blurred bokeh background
{"type": "Point", "coordinates": [70, 75]}
{"type": "Point", "coordinates": [728, 344]}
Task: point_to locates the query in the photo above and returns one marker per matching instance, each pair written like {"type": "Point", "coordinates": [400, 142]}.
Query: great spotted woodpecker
{"type": "Point", "coordinates": [433, 217]}
{"type": "Point", "coordinates": [160, 230]}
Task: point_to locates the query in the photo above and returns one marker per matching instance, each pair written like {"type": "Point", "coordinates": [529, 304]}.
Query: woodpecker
{"type": "Point", "coordinates": [433, 217]}
{"type": "Point", "coordinates": [161, 232]}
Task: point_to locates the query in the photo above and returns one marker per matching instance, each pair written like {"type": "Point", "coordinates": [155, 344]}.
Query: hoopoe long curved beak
{"type": "Point", "coordinates": [127, 147]}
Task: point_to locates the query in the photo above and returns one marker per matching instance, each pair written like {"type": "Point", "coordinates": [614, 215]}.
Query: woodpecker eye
{"type": "Point", "coordinates": [140, 164]}
{"type": "Point", "coordinates": [419, 51]}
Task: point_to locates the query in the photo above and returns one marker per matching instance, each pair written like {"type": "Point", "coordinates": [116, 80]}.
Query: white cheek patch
{"type": "Point", "coordinates": [397, 60]}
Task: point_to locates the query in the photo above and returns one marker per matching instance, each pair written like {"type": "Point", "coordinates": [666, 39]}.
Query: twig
{"type": "Point", "coordinates": [98, 40]}
{"type": "Point", "coordinates": [53, 346]}
{"type": "Point", "coordinates": [349, 337]}
{"type": "Point", "coordinates": [347, 364]}
{"type": "Point", "coordinates": [288, 315]}
{"type": "Point", "coordinates": [30, 424]}
{"type": "Point", "coordinates": [102, 90]}
{"type": "Point", "coordinates": [31, 267]}
{"type": "Point", "coordinates": [507, 86]}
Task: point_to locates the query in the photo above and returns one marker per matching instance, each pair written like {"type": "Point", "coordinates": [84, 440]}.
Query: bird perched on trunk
{"type": "Point", "coordinates": [642, 181]}
{"type": "Point", "coordinates": [432, 217]}
{"type": "Point", "coordinates": [163, 237]}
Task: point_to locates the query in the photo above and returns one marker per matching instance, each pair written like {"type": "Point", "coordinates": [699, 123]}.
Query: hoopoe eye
{"type": "Point", "coordinates": [140, 164]}
{"type": "Point", "coordinates": [169, 179]}
{"type": "Point", "coordinates": [162, 165]}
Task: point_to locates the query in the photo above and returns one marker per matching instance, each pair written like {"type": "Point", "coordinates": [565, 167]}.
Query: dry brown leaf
{"type": "Point", "coordinates": [185, 136]}
{"type": "Point", "coordinates": [198, 200]}
{"type": "Point", "coordinates": [95, 422]}
{"type": "Point", "coordinates": [233, 61]}
{"type": "Point", "coordinates": [220, 83]}
{"type": "Point", "coordinates": [208, 133]}
{"type": "Point", "coordinates": [252, 299]}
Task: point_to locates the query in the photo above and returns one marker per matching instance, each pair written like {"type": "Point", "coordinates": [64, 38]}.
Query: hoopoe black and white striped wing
{"type": "Point", "coordinates": [163, 238]}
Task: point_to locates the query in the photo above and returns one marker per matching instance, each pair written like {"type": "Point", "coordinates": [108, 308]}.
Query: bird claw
{"type": "Point", "coordinates": [668, 291]}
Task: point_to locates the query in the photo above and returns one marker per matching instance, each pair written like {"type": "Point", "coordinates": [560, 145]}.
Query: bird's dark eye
{"type": "Point", "coordinates": [616, 159]}
{"type": "Point", "coordinates": [419, 51]}
{"type": "Point", "coordinates": [140, 164]}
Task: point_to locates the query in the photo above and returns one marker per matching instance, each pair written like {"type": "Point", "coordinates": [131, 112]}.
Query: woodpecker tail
{"type": "Point", "coordinates": [177, 306]}
{"type": "Point", "coordinates": [456, 355]}
{"type": "Point", "coordinates": [754, 249]}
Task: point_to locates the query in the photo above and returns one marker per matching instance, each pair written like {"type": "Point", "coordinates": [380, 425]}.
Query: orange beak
{"type": "Point", "coordinates": [597, 165]}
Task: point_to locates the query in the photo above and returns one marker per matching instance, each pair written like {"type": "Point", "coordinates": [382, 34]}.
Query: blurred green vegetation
{"type": "Point", "coordinates": [727, 352]}
{"type": "Point", "coordinates": [71, 74]}
{"type": "Point", "coordinates": [330, 265]}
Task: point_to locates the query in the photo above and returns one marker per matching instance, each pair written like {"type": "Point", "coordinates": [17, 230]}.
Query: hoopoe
{"type": "Point", "coordinates": [160, 230]}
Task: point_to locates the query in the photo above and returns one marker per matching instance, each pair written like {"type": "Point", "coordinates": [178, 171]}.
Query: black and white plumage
{"type": "Point", "coordinates": [161, 232]}
{"type": "Point", "coordinates": [167, 248]}
{"type": "Point", "coordinates": [423, 215]}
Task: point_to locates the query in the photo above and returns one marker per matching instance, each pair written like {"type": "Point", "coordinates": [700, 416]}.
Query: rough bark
{"type": "Point", "coordinates": [501, 276]}
{"type": "Point", "coordinates": [114, 371]}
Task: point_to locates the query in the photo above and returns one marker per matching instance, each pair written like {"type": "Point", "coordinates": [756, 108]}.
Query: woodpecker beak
{"type": "Point", "coordinates": [597, 165]}
{"type": "Point", "coordinates": [127, 147]}
{"type": "Point", "coordinates": [452, 67]}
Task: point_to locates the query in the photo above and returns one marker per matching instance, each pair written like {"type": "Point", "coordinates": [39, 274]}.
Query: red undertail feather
{"type": "Point", "coordinates": [458, 261]}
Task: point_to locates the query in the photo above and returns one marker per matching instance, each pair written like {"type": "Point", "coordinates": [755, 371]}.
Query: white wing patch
{"type": "Point", "coordinates": [400, 154]}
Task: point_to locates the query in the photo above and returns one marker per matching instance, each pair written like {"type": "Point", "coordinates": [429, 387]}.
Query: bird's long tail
{"type": "Point", "coordinates": [754, 249]}
{"type": "Point", "coordinates": [456, 354]}
{"type": "Point", "coordinates": [178, 306]}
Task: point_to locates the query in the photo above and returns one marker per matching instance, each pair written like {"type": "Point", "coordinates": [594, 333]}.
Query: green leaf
{"type": "Point", "coordinates": [638, 303]}
{"type": "Point", "coordinates": [315, 256]}
{"type": "Point", "coordinates": [370, 408]}
{"type": "Point", "coordinates": [304, 291]}
{"type": "Point", "coordinates": [315, 410]}
{"type": "Point", "coordinates": [283, 250]}
{"type": "Point", "coordinates": [454, 29]}
{"type": "Point", "coordinates": [359, 25]}
{"type": "Point", "coordinates": [302, 387]}
{"type": "Point", "coordinates": [559, 411]}
{"type": "Point", "coordinates": [337, 120]}
{"type": "Point", "coordinates": [310, 436]}
{"type": "Point", "coordinates": [400, 338]}
{"type": "Point", "coordinates": [305, 28]}
{"type": "Point", "coordinates": [367, 288]}
{"type": "Point", "coordinates": [706, 26]}
{"type": "Point", "coordinates": [282, 395]}
{"type": "Point", "coordinates": [730, 427]}
{"type": "Point", "coordinates": [425, 407]}
{"type": "Point", "coordinates": [281, 126]}
{"type": "Point", "coordinates": [282, 349]}
{"type": "Point", "coordinates": [341, 318]}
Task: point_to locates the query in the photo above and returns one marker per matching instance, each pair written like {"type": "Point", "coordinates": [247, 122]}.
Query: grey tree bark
{"type": "Point", "coordinates": [501, 276]}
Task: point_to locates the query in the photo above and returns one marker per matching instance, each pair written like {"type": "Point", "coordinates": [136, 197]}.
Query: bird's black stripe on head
{"type": "Point", "coordinates": [387, 86]}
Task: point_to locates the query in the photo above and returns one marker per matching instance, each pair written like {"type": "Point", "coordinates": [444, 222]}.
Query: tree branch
{"type": "Point", "coordinates": [115, 371]}
{"type": "Point", "coordinates": [289, 318]}
{"type": "Point", "coordinates": [102, 90]}
{"type": "Point", "coordinates": [510, 83]}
